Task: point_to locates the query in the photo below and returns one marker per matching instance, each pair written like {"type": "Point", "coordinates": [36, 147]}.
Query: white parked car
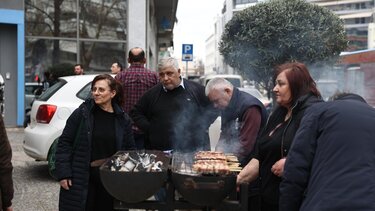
{"type": "Point", "coordinates": [256, 93]}
{"type": "Point", "coordinates": [50, 111]}
{"type": "Point", "coordinates": [236, 80]}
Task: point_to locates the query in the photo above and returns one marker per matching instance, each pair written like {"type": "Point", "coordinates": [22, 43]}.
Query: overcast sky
{"type": "Point", "coordinates": [195, 24]}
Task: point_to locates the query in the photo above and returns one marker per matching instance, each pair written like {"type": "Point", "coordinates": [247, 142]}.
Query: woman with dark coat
{"type": "Point", "coordinates": [6, 168]}
{"type": "Point", "coordinates": [295, 90]}
{"type": "Point", "coordinates": [94, 132]}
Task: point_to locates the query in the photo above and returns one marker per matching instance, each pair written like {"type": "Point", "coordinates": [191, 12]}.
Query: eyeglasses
{"type": "Point", "coordinates": [168, 74]}
{"type": "Point", "coordinates": [100, 90]}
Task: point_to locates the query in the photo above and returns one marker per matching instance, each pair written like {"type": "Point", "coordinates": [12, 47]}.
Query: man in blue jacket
{"type": "Point", "coordinates": [331, 163]}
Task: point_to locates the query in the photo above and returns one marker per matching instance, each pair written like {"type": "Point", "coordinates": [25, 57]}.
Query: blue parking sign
{"type": "Point", "coordinates": [187, 52]}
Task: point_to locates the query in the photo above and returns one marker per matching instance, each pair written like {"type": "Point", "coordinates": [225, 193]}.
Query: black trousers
{"type": "Point", "coordinates": [98, 199]}
{"type": "Point", "coordinates": [268, 206]}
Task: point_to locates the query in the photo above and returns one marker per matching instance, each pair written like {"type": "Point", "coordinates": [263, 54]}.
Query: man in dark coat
{"type": "Point", "coordinates": [242, 117]}
{"type": "Point", "coordinates": [174, 114]}
{"type": "Point", "coordinates": [331, 163]}
{"type": "Point", "coordinates": [6, 168]}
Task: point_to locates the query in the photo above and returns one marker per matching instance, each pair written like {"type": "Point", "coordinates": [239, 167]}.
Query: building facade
{"type": "Point", "coordinates": [358, 16]}
{"type": "Point", "coordinates": [94, 33]}
{"type": "Point", "coordinates": [12, 48]}
{"type": "Point", "coordinates": [214, 61]}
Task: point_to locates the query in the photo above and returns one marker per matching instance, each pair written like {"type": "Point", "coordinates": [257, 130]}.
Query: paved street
{"type": "Point", "coordinates": [34, 188]}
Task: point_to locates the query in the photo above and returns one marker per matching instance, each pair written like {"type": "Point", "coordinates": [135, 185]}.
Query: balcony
{"type": "Point", "coordinates": [165, 12]}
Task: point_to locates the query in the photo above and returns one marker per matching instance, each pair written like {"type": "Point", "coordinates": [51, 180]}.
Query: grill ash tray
{"type": "Point", "coordinates": [200, 188]}
{"type": "Point", "coordinates": [134, 176]}
{"type": "Point", "coordinates": [207, 190]}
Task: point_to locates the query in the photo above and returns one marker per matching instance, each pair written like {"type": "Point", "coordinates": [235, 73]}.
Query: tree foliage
{"type": "Point", "coordinates": [271, 33]}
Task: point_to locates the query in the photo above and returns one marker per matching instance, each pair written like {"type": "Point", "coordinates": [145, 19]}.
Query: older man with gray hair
{"type": "Point", "coordinates": [174, 114]}
{"type": "Point", "coordinates": [242, 117]}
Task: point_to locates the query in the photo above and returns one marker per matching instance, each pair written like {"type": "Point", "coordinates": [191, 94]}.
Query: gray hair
{"type": "Point", "coordinates": [168, 62]}
{"type": "Point", "coordinates": [218, 84]}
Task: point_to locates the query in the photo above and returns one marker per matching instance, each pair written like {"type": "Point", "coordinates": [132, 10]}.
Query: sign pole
{"type": "Point", "coordinates": [187, 55]}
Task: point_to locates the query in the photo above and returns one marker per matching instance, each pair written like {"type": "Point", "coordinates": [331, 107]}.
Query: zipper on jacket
{"type": "Point", "coordinates": [286, 128]}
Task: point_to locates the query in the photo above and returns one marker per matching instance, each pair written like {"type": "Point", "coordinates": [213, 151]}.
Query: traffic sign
{"type": "Point", "coordinates": [187, 52]}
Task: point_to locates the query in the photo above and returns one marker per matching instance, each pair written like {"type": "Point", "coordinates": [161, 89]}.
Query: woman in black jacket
{"type": "Point", "coordinates": [6, 169]}
{"type": "Point", "coordinates": [295, 90]}
{"type": "Point", "coordinates": [94, 132]}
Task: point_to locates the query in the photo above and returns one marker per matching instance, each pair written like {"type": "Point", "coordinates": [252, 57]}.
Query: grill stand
{"type": "Point", "coordinates": [231, 203]}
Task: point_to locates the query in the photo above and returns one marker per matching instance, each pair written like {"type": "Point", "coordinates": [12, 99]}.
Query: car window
{"type": "Point", "coordinates": [236, 82]}
{"type": "Point", "coordinates": [85, 92]}
{"type": "Point", "coordinates": [29, 89]}
{"type": "Point", "coordinates": [253, 92]}
{"type": "Point", "coordinates": [52, 90]}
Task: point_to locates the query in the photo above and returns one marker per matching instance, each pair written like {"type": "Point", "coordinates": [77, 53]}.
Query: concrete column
{"type": "Point", "coordinates": [137, 24]}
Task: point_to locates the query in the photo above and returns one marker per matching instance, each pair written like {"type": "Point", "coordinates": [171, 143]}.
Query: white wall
{"type": "Point", "coordinates": [142, 29]}
{"type": "Point", "coordinates": [137, 23]}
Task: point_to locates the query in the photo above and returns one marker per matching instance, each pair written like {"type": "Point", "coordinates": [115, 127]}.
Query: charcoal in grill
{"type": "Point", "coordinates": [125, 185]}
{"type": "Point", "coordinates": [136, 162]}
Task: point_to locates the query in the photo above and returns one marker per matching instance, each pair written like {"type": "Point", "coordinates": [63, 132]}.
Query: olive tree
{"type": "Point", "coordinates": [273, 32]}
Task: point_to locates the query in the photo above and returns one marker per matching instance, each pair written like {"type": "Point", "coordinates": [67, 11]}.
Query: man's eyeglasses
{"type": "Point", "coordinates": [168, 74]}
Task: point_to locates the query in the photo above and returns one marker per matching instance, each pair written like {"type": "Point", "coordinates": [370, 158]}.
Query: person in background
{"type": "Point", "coordinates": [175, 114]}
{"type": "Point", "coordinates": [45, 81]}
{"type": "Point", "coordinates": [242, 117]}
{"type": "Point", "coordinates": [77, 162]}
{"type": "Point", "coordinates": [331, 163]}
{"type": "Point", "coordinates": [48, 81]}
{"type": "Point", "coordinates": [295, 91]}
{"type": "Point", "coordinates": [116, 67]}
{"type": "Point", "coordinates": [78, 69]}
{"type": "Point", "coordinates": [136, 80]}
{"type": "Point", "coordinates": [6, 168]}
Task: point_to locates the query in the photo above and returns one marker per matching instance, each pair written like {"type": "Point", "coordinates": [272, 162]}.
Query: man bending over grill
{"type": "Point", "coordinates": [242, 117]}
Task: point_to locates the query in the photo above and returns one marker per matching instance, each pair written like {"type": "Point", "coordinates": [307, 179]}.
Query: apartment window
{"type": "Point", "coordinates": [360, 6]}
{"type": "Point", "coordinates": [360, 20]}
{"type": "Point", "coordinates": [52, 36]}
{"type": "Point", "coordinates": [237, 2]}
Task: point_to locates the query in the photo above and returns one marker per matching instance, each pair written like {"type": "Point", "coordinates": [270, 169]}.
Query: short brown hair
{"type": "Point", "coordinates": [113, 85]}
